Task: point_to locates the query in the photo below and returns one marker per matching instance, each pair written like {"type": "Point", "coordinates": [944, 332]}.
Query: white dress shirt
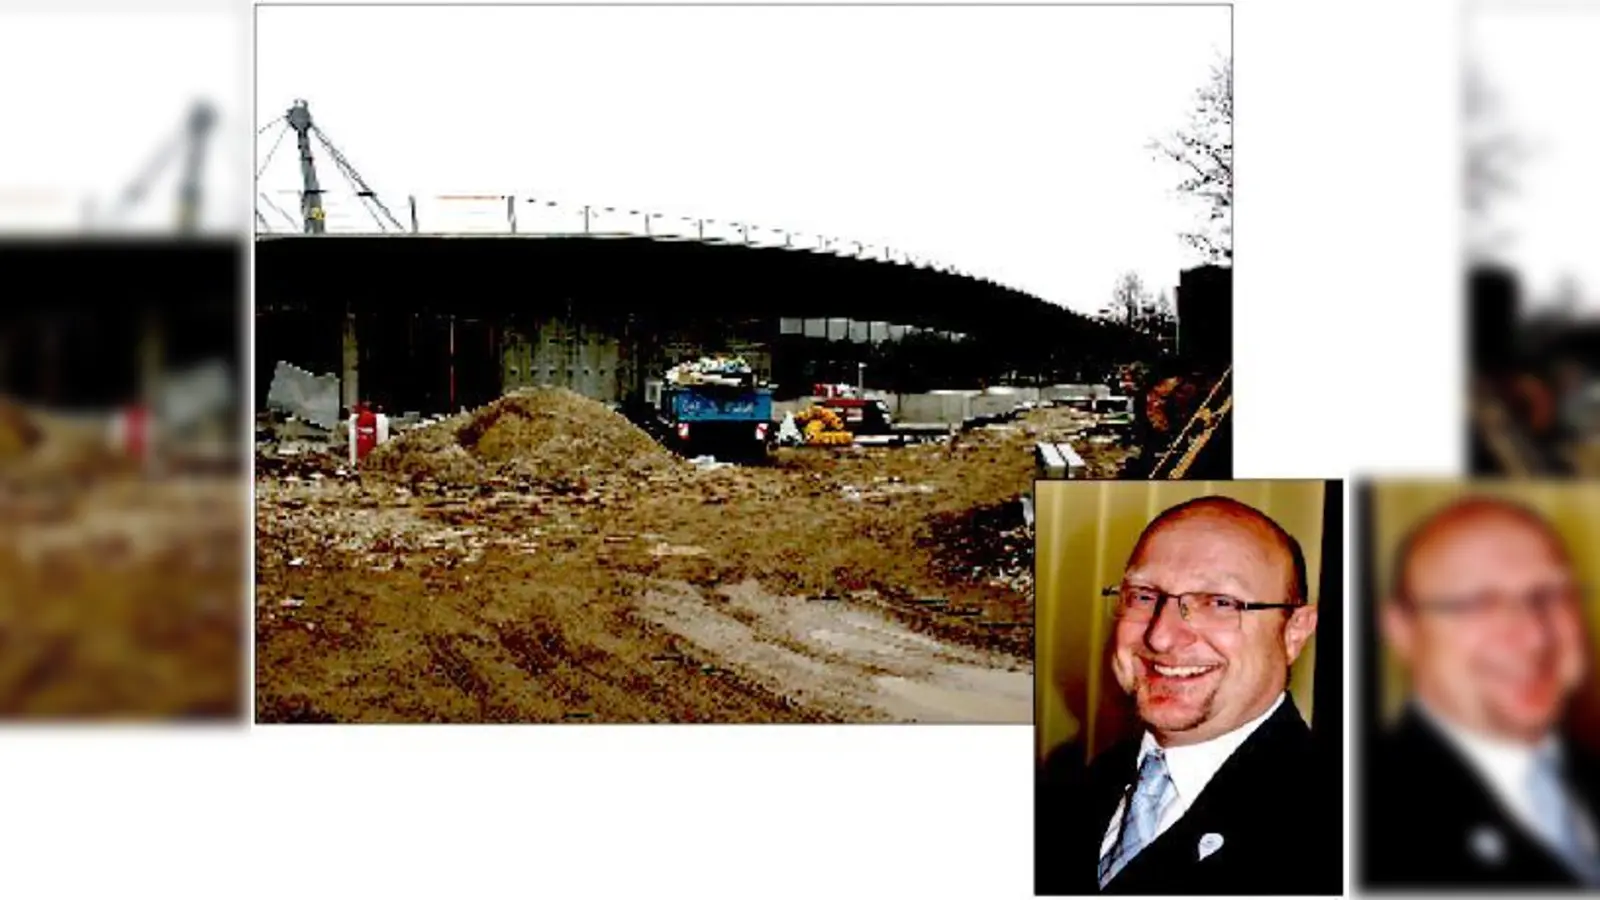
{"type": "Point", "coordinates": [1507, 768]}
{"type": "Point", "coordinates": [1191, 767]}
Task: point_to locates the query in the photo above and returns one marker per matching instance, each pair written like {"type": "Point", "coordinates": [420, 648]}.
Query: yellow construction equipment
{"type": "Point", "coordinates": [823, 427]}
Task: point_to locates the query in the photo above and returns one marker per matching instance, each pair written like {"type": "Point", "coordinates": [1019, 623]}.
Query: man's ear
{"type": "Point", "coordinates": [1398, 631]}
{"type": "Point", "coordinates": [1301, 625]}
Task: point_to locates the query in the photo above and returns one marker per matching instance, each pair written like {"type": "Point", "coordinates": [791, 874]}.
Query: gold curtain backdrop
{"type": "Point", "coordinates": [1084, 533]}
{"type": "Point", "coordinates": [1398, 506]}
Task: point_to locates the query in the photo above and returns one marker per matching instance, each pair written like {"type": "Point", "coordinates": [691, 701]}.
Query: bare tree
{"type": "Point", "coordinates": [1493, 154]}
{"type": "Point", "coordinates": [1133, 305]}
{"type": "Point", "coordinates": [1203, 149]}
{"type": "Point", "coordinates": [1161, 318]}
{"type": "Point", "coordinates": [1128, 299]}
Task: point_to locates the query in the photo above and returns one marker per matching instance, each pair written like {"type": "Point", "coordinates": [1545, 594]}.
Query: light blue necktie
{"type": "Point", "coordinates": [1152, 794]}
{"type": "Point", "coordinates": [1558, 818]}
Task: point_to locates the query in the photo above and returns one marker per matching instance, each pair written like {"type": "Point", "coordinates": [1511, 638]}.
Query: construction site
{"type": "Point", "coordinates": [802, 492]}
{"type": "Point", "coordinates": [122, 458]}
{"type": "Point", "coordinates": [122, 522]}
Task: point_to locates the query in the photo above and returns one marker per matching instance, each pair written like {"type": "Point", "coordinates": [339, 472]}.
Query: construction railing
{"type": "Point", "coordinates": [277, 212]}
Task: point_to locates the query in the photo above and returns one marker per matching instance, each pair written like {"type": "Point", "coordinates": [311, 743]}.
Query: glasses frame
{"type": "Point", "coordinates": [1577, 594]}
{"type": "Point", "coordinates": [1114, 592]}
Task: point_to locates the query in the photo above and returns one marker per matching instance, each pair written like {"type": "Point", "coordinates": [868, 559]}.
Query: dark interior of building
{"type": "Point", "coordinates": [412, 297]}
{"type": "Point", "coordinates": [76, 311]}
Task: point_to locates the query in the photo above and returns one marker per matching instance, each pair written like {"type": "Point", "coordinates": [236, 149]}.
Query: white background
{"type": "Point", "coordinates": [1347, 349]}
{"type": "Point", "coordinates": [887, 126]}
{"type": "Point", "coordinates": [1537, 57]}
{"type": "Point", "coordinates": [93, 95]}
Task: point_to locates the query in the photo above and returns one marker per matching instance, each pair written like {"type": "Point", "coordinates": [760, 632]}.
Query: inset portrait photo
{"type": "Point", "coordinates": [1189, 698]}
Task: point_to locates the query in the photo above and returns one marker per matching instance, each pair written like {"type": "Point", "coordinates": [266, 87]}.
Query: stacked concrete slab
{"type": "Point", "coordinates": [1059, 460]}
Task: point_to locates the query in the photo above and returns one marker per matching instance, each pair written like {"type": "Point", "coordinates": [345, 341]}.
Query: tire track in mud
{"type": "Point", "coordinates": [679, 600]}
{"type": "Point", "coordinates": [842, 658]}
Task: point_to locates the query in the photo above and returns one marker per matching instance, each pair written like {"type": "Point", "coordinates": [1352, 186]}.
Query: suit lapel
{"type": "Point", "coordinates": [1482, 829]}
{"type": "Point", "coordinates": [1229, 818]}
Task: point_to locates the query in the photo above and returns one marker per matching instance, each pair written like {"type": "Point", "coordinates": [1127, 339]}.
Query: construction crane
{"type": "Point", "coordinates": [312, 213]}
{"type": "Point", "coordinates": [190, 143]}
{"type": "Point", "coordinates": [186, 148]}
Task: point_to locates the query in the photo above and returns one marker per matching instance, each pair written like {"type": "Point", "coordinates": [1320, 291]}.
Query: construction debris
{"type": "Point", "coordinates": [991, 544]}
{"type": "Point", "coordinates": [789, 433]}
{"type": "Point", "coordinates": [728, 371]}
{"type": "Point", "coordinates": [507, 598]}
{"type": "Point", "coordinates": [548, 436]}
{"type": "Point", "coordinates": [298, 393]}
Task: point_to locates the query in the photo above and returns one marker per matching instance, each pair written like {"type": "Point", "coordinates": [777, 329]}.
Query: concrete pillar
{"type": "Point", "coordinates": [348, 387]}
{"type": "Point", "coordinates": [152, 353]}
{"type": "Point", "coordinates": [49, 360]}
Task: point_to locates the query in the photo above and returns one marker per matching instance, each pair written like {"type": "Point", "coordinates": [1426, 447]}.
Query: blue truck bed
{"type": "Point", "coordinates": [712, 404]}
{"type": "Point", "coordinates": [727, 422]}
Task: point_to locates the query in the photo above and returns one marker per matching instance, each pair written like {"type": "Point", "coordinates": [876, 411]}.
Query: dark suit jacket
{"type": "Point", "coordinates": [1276, 803]}
{"type": "Point", "coordinates": [1432, 822]}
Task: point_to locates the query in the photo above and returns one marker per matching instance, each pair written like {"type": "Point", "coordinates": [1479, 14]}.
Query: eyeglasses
{"type": "Point", "coordinates": [1137, 603]}
{"type": "Point", "coordinates": [1539, 601]}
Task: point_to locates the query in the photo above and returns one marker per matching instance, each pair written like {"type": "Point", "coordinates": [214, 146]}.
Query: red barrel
{"type": "Point", "coordinates": [135, 431]}
{"type": "Point", "coordinates": [366, 431]}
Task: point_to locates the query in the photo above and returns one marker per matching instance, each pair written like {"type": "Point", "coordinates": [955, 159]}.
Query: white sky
{"type": "Point", "coordinates": [95, 95]}
{"type": "Point", "coordinates": [1541, 61]}
{"type": "Point", "coordinates": [1009, 142]}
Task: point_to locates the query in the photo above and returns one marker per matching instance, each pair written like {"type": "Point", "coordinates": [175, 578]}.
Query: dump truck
{"type": "Point", "coordinates": [711, 407]}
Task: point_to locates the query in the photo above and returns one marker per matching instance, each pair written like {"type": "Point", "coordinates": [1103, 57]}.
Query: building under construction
{"type": "Point", "coordinates": [433, 324]}
{"type": "Point", "coordinates": [120, 314]}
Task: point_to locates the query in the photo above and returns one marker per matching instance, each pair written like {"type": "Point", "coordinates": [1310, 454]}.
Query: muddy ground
{"type": "Point", "coordinates": [484, 579]}
{"type": "Point", "coordinates": [120, 590]}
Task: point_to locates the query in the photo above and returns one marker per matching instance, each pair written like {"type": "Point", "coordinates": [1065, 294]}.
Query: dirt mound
{"type": "Point", "coordinates": [987, 544]}
{"type": "Point", "coordinates": [543, 435]}
{"type": "Point", "coordinates": [39, 447]}
{"type": "Point", "coordinates": [18, 433]}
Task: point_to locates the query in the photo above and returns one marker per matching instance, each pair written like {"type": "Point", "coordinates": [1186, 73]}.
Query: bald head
{"type": "Point", "coordinates": [1486, 614]}
{"type": "Point", "coordinates": [1463, 525]}
{"type": "Point", "coordinates": [1275, 543]}
{"type": "Point", "coordinates": [1195, 674]}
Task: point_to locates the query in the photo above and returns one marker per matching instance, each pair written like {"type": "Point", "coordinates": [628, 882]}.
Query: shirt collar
{"type": "Point", "coordinates": [1508, 763]}
{"type": "Point", "coordinates": [1193, 765]}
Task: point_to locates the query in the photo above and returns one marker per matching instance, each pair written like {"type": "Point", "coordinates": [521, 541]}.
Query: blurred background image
{"type": "Point", "coordinates": [1482, 761]}
{"type": "Point", "coordinates": [1533, 284]}
{"type": "Point", "coordinates": [122, 479]}
{"type": "Point", "coordinates": [1397, 507]}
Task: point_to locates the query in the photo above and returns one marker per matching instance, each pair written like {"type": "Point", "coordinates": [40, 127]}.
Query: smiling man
{"type": "Point", "coordinates": [1475, 784]}
{"type": "Point", "coordinates": [1221, 793]}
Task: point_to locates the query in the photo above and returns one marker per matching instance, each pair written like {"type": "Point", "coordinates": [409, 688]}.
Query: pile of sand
{"type": "Point", "coordinates": [545, 435]}
{"type": "Point", "coordinates": [39, 448]}
{"type": "Point", "coordinates": [18, 432]}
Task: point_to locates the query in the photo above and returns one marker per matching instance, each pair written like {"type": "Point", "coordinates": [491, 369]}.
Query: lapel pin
{"type": "Point", "coordinates": [1209, 844]}
{"type": "Point", "coordinates": [1488, 845]}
